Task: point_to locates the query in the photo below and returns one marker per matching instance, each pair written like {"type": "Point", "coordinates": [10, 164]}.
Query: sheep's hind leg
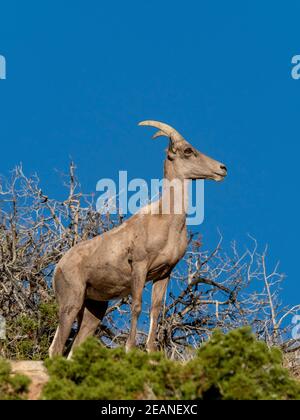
{"type": "Point", "coordinates": [92, 314]}
{"type": "Point", "coordinates": [70, 301]}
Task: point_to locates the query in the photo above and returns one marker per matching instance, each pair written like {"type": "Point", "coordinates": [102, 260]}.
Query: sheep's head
{"type": "Point", "coordinates": [187, 161]}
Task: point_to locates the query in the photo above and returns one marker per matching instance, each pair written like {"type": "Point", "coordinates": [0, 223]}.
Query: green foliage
{"type": "Point", "coordinates": [233, 366]}
{"type": "Point", "coordinates": [238, 367]}
{"type": "Point", "coordinates": [29, 337]}
{"type": "Point", "coordinates": [97, 373]}
{"type": "Point", "coordinates": [12, 387]}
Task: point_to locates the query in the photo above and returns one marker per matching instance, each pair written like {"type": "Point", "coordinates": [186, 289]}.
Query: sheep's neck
{"type": "Point", "coordinates": [174, 199]}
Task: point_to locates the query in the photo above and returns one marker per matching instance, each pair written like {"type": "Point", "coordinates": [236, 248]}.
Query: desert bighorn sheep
{"type": "Point", "coordinates": [144, 248]}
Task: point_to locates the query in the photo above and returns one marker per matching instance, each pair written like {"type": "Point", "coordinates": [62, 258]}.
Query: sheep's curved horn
{"type": "Point", "coordinates": [165, 128]}
{"type": "Point", "coordinates": [159, 134]}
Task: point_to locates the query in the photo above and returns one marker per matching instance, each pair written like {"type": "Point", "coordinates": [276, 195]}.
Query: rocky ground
{"type": "Point", "coordinates": [36, 372]}
{"type": "Point", "coordinates": [292, 362]}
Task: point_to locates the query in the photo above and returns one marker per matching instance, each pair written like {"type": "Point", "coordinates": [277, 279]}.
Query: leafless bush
{"type": "Point", "coordinates": [208, 290]}
{"type": "Point", "coordinates": [218, 289]}
{"type": "Point", "coordinates": [35, 231]}
{"type": "Point", "coordinates": [224, 290]}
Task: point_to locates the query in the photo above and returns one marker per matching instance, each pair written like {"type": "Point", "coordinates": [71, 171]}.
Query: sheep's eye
{"type": "Point", "coordinates": [188, 151]}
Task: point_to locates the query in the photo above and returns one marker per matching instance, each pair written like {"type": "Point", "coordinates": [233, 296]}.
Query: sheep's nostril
{"type": "Point", "coordinates": [223, 167]}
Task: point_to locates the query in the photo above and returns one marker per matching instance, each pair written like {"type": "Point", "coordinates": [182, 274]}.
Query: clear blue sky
{"type": "Point", "coordinates": [80, 75]}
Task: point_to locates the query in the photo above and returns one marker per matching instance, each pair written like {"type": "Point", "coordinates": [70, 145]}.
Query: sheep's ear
{"type": "Point", "coordinates": [170, 156]}
{"type": "Point", "coordinates": [171, 151]}
{"type": "Point", "coordinates": [172, 147]}
{"type": "Point", "coordinates": [172, 143]}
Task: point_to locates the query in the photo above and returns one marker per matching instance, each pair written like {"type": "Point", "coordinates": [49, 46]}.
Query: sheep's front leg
{"type": "Point", "coordinates": [139, 273]}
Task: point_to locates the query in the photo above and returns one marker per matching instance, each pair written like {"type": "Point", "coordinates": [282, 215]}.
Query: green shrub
{"type": "Point", "coordinates": [238, 367]}
{"type": "Point", "coordinates": [30, 337]}
{"type": "Point", "coordinates": [12, 387]}
{"type": "Point", "coordinates": [233, 366]}
{"type": "Point", "coordinates": [99, 373]}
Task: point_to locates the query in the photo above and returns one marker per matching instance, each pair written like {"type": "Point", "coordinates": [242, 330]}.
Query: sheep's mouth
{"type": "Point", "coordinates": [212, 176]}
{"type": "Point", "coordinates": [218, 176]}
